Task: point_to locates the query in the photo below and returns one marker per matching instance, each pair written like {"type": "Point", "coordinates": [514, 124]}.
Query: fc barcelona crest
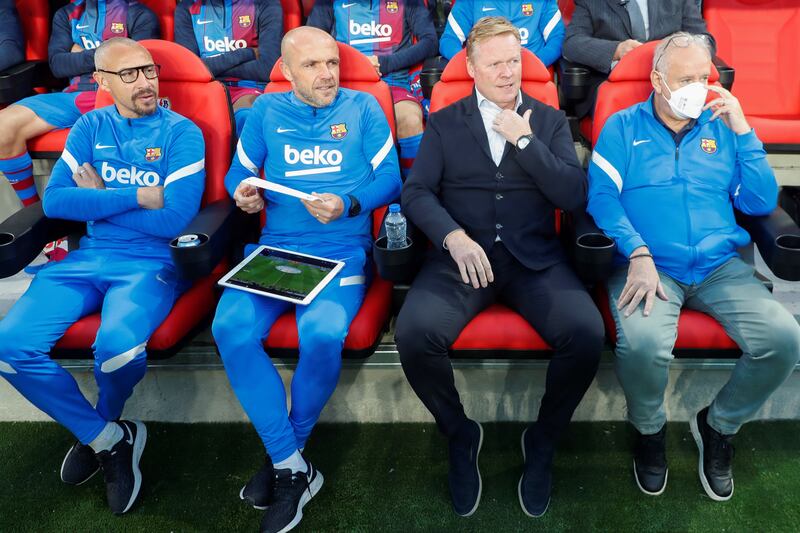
{"type": "Point", "coordinates": [709, 146]}
{"type": "Point", "coordinates": [391, 7]}
{"type": "Point", "coordinates": [151, 154]}
{"type": "Point", "coordinates": [338, 131]}
{"type": "Point", "coordinates": [245, 21]}
{"type": "Point", "coordinates": [165, 102]}
{"type": "Point", "coordinates": [527, 9]}
{"type": "Point", "coordinates": [117, 27]}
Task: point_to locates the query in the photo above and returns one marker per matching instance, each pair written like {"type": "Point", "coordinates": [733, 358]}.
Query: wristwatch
{"type": "Point", "coordinates": [523, 142]}
{"type": "Point", "coordinates": [355, 206]}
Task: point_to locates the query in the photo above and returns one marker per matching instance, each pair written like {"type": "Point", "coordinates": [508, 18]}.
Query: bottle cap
{"type": "Point", "coordinates": [394, 208]}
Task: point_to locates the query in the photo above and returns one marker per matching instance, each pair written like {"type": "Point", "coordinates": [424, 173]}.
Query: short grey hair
{"type": "Point", "coordinates": [101, 52]}
{"type": "Point", "coordinates": [679, 39]}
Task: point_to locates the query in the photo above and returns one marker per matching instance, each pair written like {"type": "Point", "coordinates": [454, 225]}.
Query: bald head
{"type": "Point", "coordinates": [105, 53]}
{"type": "Point", "coordinates": [304, 37]}
{"type": "Point", "coordinates": [310, 61]}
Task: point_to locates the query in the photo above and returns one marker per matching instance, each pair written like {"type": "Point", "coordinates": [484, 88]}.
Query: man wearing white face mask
{"type": "Point", "coordinates": [664, 180]}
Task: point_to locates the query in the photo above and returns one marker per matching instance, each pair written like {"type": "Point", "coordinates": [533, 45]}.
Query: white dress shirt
{"type": "Point", "coordinates": [489, 111]}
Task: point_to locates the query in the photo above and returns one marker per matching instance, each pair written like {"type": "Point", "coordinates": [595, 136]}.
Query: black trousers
{"type": "Point", "coordinates": [553, 301]}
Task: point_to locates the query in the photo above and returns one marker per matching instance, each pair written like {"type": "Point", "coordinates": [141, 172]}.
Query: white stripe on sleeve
{"type": "Point", "coordinates": [551, 25]}
{"type": "Point", "coordinates": [451, 21]}
{"type": "Point", "coordinates": [188, 170]}
{"type": "Point", "coordinates": [249, 165]}
{"type": "Point", "coordinates": [608, 168]}
{"type": "Point", "coordinates": [381, 155]}
{"type": "Point", "coordinates": [69, 159]}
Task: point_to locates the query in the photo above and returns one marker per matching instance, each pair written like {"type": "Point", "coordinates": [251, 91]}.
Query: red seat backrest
{"type": "Point", "coordinates": [190, 90]}
{"type": "Point", "coordinates": [566, 7]}
{"type": "Point", "coordinates": [165, 11]}
{"type": "Point", "coordinates": [308, 5]}
{"type": "Point", "coordinates": [456, 82]}
{"type": "Point", "coordinates": [628, 84]}
{"type": "Point", "coordinates": [35, 18]}
{"type": "Point", "coordinates": [761, 40]}
{"type": "Point", "coordinates": [292, 14]}
{"type": "Point", "coordinates": [355, 72]}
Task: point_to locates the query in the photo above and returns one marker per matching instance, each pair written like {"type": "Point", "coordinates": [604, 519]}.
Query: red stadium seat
{"type": "Point", "coordinates": [628, 84]}
{"type": "Point", "coordinates": [355, 72]}
{"type": "Point", "coordinates": [760, 39]}
{"type": "Point", "coordinates": [35, 18]}
{"type": "Point", "coordinates": [566, 7]}
{"type": "Point", "coordinates": [497, 330]}
{"type": "Point", "coordinates": [165, 11]}
{"type": "Point", "coordinates": [185, 86]}
{"type": "Point", "coordinates": [292, 14]}
{"type": "Point", "coordinates": [699, 335]}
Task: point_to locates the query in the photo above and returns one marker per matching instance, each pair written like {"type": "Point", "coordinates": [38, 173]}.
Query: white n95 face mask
{"type": "Point", "coordinates": [688, 101]}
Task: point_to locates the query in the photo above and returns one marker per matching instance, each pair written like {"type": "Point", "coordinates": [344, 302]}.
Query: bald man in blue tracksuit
{"type": "Point", "coordinates": [539, 22]}
{"type": "Point", "coordinates": [238, 40]}
{"type": "Point", "coordinates": [12, 43]}
{"type": "Point", "coordinates": [337, 144]}
{"type": "Point", "coordinates": [134, 172]}
{"type": "Point", "coordinates": [78, 28]}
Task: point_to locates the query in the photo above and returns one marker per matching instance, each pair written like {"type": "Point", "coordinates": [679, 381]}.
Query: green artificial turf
{"type": "Point", "coordinates": [392, 477]}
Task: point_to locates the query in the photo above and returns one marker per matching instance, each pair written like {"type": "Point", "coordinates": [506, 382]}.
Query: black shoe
{"type": "Point", "coordinates": [716, 454]}
{"type": "Point", "coordinates": [650, 462]}
{"type": "Point", "coordinates": [463, 475]}
{"type": "Point", "coordinates": [536, 483]}
{"type": "Point", "coordinates": [290, 493]}
{"type": "Point", "coordinates": [258, 490]}
{"type": "Point", "coordinates": [121, 467]}
{"type": "Point", "coordinates": [79, 465]}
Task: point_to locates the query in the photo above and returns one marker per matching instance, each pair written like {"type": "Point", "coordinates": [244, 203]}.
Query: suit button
{"type": "Point", "coordinates": [498, 226]}
{"type": "Point", "coordinates": [498, 196]}
{"type": "Point", "coordinates": [499, 176]}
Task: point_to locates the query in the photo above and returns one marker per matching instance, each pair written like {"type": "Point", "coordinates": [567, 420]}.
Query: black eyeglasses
{"type": "Point", "coordinates": [680, 40]}
{"type": "Point", "coordinates": [130, 75]}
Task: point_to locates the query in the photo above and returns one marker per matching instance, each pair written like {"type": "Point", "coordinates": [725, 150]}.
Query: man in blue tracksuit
{"type": "Point", "coordinates": [238, 40]}
{"type": "Point", "coordinates": [78, 28]}
{"type": "Point", "coordinates": [134, 172]}
{"type": "Point", "coordinates": [335, 144]}
{"type": "Point", "coordinates": [12, 43]}
{"type": "Point", "coordinates": [664, 180]}
{"type": "Point", "coordinates": [538, 21]}
{"type": "Point", "coordinates": [397, 35]}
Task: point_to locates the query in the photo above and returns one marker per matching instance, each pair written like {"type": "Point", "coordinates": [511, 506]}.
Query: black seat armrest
{"type": "Point", "coordinates": [402, 264]}
{"type": "Point", "coordinates": [726, 72]}
{"type": "Point", "coordinates": [24, 234]}
{"type": "Point", "coordinates": [212, 229]}
{"type": "Point", "coordinates": [17, 82]}
{"type": "Point", "coordinates": [575, 80]}
{"type": "Point", "coordinates": [592, 251]}
{"type": "Point", "coordinates": [431, 73]}
{"type": "Point", "coordinates": [778, 239]}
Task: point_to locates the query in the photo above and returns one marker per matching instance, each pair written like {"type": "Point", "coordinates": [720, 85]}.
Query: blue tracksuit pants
{"type": "Point", "coordinates": [133, 295]}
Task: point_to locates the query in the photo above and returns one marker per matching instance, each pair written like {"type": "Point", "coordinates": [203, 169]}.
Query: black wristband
{"type": "Point", "coordinates": [646, 254]}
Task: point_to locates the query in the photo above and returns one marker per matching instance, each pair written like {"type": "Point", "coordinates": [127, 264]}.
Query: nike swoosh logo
{"type": "Point", "coordinates": [488, 9]}
{"type": "Point", "coordinates": [283, 130]}
{"type": "Point", "coordinates": [348, 5]}
{"type": "Point", "coordinates": [130, 436]}
{"type": "Point", "coordinates": [158, 277]}
{"type": "Point", "coordinates": [79, 27]}
{"type": "Point", "coordinates": [102, 146]}
{"type": "Point", "coordinates": [637, 143]}
{"type": "Point", "coordinates": [205, 21]}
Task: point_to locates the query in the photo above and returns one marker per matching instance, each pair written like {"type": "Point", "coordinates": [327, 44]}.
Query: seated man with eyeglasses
{"type": "Point", "coordinates": [78, 29]}
{"type": "Point", "coordinates": [134, 172]}
{"type": "Point", "coordinates": [664, 180]}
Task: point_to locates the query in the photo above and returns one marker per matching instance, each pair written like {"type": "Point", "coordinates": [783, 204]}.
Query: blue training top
{"type": "Point", "coordinates": [539, 22]}
{"type": "Point", "coordinates": [344, 148]}
{"type": "Point", "coordinates": [163, 149]}
{"type": "Point", "coordinates": [224, 33]}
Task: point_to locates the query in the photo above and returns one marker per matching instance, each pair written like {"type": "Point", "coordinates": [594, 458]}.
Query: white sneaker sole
{"type": "Point", "coordinates": [660, 492]}
{"type": "Point", "coordinates": [519, 485]}
{"type": "Point", "coordinates": [138, 449]}
{"type": "Point", "coordinates": [61, 472]}
{"type": "Point", "coordinates": [477, 467]}
{"type": "Point", "coordinates": [313, 489]}
{"type": "Point", "coordinates": [698, 439]}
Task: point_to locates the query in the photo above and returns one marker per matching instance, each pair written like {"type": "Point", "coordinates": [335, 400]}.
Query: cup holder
{"type": "Point", "coordinates": [784, 242]}
{"type": "Point", "coordinates": [189, 240]}
{"type": "Point", "coordinates": [575, 83]}
{"type": "Point", "coordinates": [6, 238]}
{"type": "Point", "coordinates": [396, 264]}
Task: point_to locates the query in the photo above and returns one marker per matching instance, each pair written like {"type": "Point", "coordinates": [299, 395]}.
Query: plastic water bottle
{"type": "Point", "coordinates": [395, 228]}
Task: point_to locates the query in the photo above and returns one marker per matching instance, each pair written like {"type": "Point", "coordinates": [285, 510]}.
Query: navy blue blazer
{"type": "Point", "coordinates": [454, 182]}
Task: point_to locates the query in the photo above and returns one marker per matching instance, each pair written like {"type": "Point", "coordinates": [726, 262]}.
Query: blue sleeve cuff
{"type": "Point", "coordinates": [347, 204]}
{"type": "Point", "coordinates": [629, 245]}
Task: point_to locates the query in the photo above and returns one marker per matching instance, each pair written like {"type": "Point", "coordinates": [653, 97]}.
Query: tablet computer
{"type": "Point", "coordinates": [282, 274]}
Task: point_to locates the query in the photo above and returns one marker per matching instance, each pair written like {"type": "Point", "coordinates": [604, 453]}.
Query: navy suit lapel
{"type": "Point", "coordinates": [622, 13]}
{"type": "Point", "coordinates": [527, 103]}
{"type": "Point", "coordinates": [475, 124]}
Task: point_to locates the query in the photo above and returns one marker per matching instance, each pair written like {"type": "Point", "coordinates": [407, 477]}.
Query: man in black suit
{"type": "Point", "coordinates": [602, 32]}
{"type": "Point", "coordinates": [491, 171]}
